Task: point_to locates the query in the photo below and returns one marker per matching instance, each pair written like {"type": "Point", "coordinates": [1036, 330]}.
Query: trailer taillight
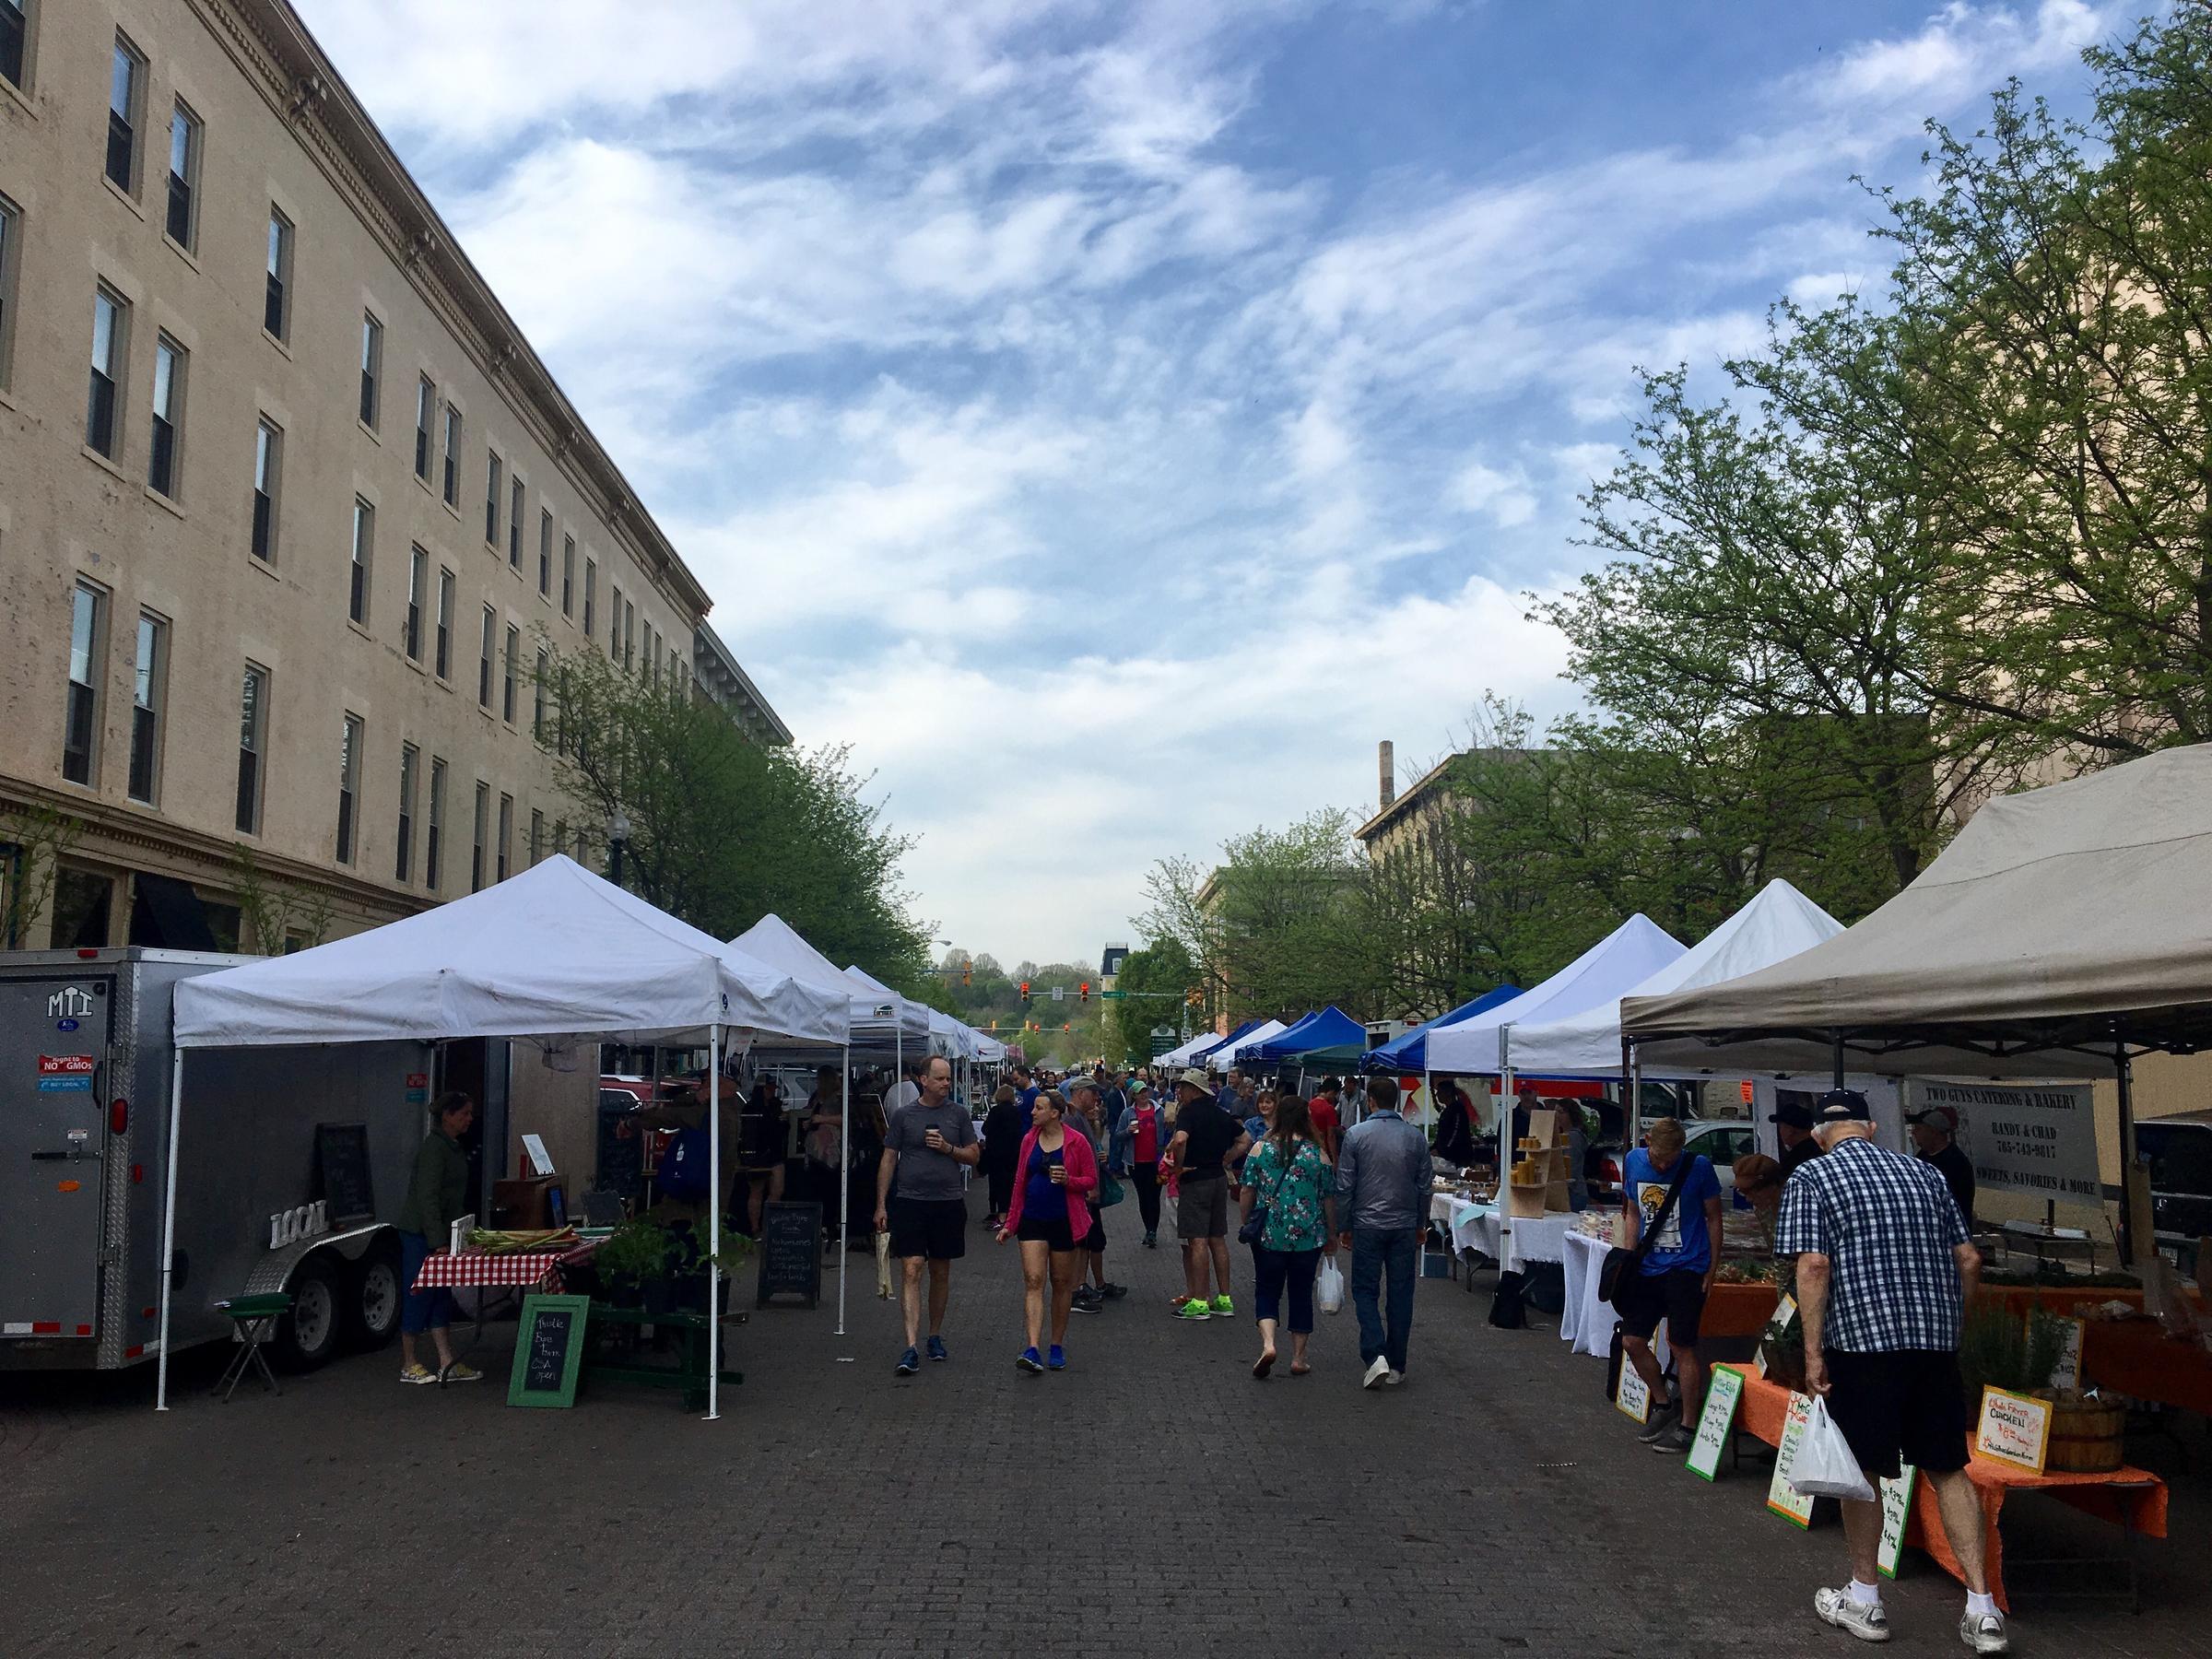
{"type": "Point", "coordinates": [88, 955]}
{"type": "Point", "coordinates": [119, 1115]}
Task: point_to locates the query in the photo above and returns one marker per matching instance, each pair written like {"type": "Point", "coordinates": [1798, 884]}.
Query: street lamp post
{"type": "Point", "coordinates": [618, 838]}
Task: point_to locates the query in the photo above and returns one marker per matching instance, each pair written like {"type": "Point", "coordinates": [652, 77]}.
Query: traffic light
{"type": "Point", "coordinates": [1025, 993]}
{"type": "Point", "coordinates": [1066, 1027]}
{"type": "Point", "coordinates": [1083, 991]}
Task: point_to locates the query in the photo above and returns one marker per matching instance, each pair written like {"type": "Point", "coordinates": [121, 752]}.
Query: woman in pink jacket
{"type": "Point", "coordinates": [1053, 1181]}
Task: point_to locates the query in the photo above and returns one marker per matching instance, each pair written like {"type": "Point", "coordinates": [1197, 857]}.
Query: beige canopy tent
{"type": "Point", "coordinates": [2062, 931]}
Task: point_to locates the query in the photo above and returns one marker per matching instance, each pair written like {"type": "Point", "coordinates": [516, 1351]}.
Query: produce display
{"type": "Point", "coordinates": [498, 1243]}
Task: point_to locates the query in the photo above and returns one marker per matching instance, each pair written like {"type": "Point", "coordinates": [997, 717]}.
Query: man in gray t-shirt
{"type": "Point", "coordinates": [920, 1200]}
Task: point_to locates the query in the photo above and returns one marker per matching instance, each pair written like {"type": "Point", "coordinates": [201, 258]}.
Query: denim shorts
{"type": "Point", "coordinates": [423, 1309]}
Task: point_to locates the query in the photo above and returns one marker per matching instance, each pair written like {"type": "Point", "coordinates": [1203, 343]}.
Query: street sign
{"type": "Point", "coordinates": [1114, 996]}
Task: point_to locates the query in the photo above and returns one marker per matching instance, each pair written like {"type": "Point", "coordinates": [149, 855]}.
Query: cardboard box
{"type": "Point", "coordinates": [522, 1204]}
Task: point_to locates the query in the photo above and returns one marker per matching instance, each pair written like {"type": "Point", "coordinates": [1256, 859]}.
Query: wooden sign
{"type": "Point", "coordinates": [342, 1163]}
{"type": "Point", "coordinates": [1632, 1397]}
{"type": "Point", "coordinates": [548, 1350]}
{"type": "Point", "coordinates": [1897, 1507]}
{"type": "Point", "coordinates": [791, 1253]}
{"type": "Point", "coordinates": [1721, 1396]}
{"type": "Point", "coordinates": [1782, 1498]}
{"type": "Point", "coordinates": [2015, 1428]}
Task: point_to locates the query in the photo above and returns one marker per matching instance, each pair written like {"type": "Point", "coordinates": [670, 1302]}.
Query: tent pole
{"type": "Point", "coordinates": [2122, 1070]}
{"type": "Point", "coordinates": [1505, 1148]}
{"type": "Point", "coordinates": [713, 1221]}
{"type": "Point", "coordinates": [169, 1220]}
{"type": "Point", "coordinates": [1838, 1041]}
{"type": "Point", "coordinates": [844, 1183]}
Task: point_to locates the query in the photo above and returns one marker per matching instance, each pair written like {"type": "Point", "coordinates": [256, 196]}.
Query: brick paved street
{"type": "Point", "coordinates": [1151, 1500]}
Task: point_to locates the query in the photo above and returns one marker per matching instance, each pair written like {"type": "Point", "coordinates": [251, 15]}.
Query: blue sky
{"type": "Point", "coordinates": [1113, 420]}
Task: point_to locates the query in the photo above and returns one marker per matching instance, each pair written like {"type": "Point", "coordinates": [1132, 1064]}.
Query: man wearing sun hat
{"type": "Point", "coordinates": [1934, 1141]}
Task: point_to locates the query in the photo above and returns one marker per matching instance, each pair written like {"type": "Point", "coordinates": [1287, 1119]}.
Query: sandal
{"type": "Point", "coordinates": [1263, 1365]}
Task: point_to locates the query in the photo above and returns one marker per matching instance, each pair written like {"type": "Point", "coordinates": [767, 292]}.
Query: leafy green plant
{"type": "Point", "coordinates": [638, 1251]}
{"type": "Point", "coordinates": [1998, 1349]}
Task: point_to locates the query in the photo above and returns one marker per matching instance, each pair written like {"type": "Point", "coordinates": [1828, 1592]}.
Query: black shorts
{"type": "Point", "coordinates": [935, 1228]}
{"type": "Point", "coordinates": [1908, 1405]}
{"type": "Point", "coordinates": [1055, 1235]}
{"type": "Point", "coordinates": [1678, 1296]}
{"type": "Point", "coordinates": [1095, 1240]}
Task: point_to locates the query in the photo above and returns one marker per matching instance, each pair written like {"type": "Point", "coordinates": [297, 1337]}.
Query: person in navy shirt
{"type": "Point", "coordinates": [1673, 1279]}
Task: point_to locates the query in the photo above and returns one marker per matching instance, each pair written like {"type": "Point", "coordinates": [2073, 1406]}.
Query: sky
{"type": "Point", "coordinates": [1113, 420]}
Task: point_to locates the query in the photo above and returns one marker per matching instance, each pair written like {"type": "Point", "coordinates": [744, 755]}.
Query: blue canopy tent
{"type": "Point", "coordinates": [1409, 1053]}
{"type": "Point", "coordinates": [1249, 1026]}
{"type": "Point", "coordinates": [1329, 1027]}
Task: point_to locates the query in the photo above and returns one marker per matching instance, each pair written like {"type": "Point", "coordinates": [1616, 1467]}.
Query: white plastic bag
{"type": "Point", "coordinates": [1328, 1287]}
{"type": "Point", "coordinates": [1824, 1466]}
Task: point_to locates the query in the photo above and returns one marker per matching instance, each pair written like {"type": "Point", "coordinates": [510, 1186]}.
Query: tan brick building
{"type": "Point", "coordinates": [287, 505]}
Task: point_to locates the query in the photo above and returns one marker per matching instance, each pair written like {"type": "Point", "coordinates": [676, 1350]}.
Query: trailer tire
{"type": "Point", "coordinates": [308, 1335]}
{"type": "Point", "coordinates": [374, 1297]}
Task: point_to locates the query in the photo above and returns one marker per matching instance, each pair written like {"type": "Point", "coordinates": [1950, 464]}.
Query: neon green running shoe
{"type": "Point", "coordinates": [1222, 1305]}
{"type": "Point", "coordinates": [1195, 1309]}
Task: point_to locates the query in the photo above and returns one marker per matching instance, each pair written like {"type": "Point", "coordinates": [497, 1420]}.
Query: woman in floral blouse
{"type": "Point", "coordinates": [1287, 1176]}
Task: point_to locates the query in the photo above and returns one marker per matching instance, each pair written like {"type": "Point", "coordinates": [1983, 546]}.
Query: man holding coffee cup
{"type": "Point", "coordinates": [920, 1200]}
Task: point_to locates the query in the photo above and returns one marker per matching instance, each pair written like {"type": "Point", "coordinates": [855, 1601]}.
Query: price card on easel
{"type": "Point", "coordinates": [1782, 1498]}
{"type": "Point", "coordinates": [1722, 1396]}
{"type": "Point", "coordinates": [1897, 1507]}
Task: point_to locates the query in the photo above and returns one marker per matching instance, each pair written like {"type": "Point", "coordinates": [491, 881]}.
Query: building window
{"type": "Point", "coordinates": [506, 847]}
{"type": "Point", "coordinates": [591, 595]}
{"type": "Point", "coordinates": [163, 462]}
{"type": "Point", "coordinates": [484, 660]}
{"type": "Point", "coordinates": [276, 309]}
{"type": "Point", "coordinates": [653, 656]}
{"type": "Point", "coordinates": [453, 456]}
{"type": "Point", "coordinates": [537, 703]}
{"type": "Point", "coordinates": [146, 694]}
{"type": "Point", "coordinates": [364, 548]}
{"type": "Point", "coordinates": [426, 410]}
{"type": "Point", "coordinates": [512, 661]}
{"type": "Point", "coordinates": [445, 624]}
{"type": "Point", "coordinates": [184, 174]}
{"type": "Point", "coordinates": [568, 570]}
{"type": "Point", "coordinates": [11, 232]}
{"type": "Point", "coordinates": [614, 628]}
{"type": "Point", "coordinates": [629, 638]}
{"type": "Point", "coordinates": [493, 475]}
{"type": "Point", "coordinates": [404, 867]}
{"type": "Point", "coordinates": [545, 551]}
{"type": "Point", "coordinates": [372, 367]}
{"type": "Point", "coordinates": [126, 93]}
{"type": "Point", "coordinates": [12, 30]}
{"type": "Point", "coordinates": [80, 731]}
{"type": "Point", "coordinates": [349, 778]}
{"type": "Point", "coordinates": [537, 835]}
{"type": "Point", "coordinates": [83, 904]}
{"type": "Point", "coordinates": [268, 465]}
{"type": "Point", "coordinates": [514, 525]}
{"type": "Point", "coordinates": [253, 742]}
{"type": "Point", "coordinates": [483, 827]}
{"type": "Point", "coordinates": [418, 595]}
{"type": "Point", "coordinates": [433, 841]}
{"type": "Point", "coordinates": [111, 324]}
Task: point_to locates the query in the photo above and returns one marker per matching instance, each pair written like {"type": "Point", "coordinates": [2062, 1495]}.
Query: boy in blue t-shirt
{"type": "Point", "coordinates": [1674, 1277]}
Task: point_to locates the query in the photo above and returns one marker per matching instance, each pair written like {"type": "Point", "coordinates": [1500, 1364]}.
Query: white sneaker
{"type": "Point", "coordinates": [1394, 1378]}
{"type": "Point", "coordinates": [1985, 1632]}
{"type": "Point", "coordinates": [1375, 1373]}
{"type": "Point", "coordinates": [1867, 1623]}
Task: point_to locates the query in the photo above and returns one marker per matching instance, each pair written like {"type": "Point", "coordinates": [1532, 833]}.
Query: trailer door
{"type": "Point", "coordinates": [53, 1048]}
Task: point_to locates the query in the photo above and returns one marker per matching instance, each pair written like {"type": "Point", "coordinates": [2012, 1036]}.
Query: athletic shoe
{"type": "Point", "coordinates": [1113, 1292]}
{"type": "Point", "coordinates": [1678, 1439]}
{"type": "Point", "coordinates": [1985, 1632]}
{"type": "Point", "coordinates": [1393, 1379]}
{"type": "Point", "coordinates": [1195, 1309]}
{"type": "Point", "coordinates": [1224, 1307]}
{"type": "Point", "coordinates": [1151, 1240]}
{"type": "Point", "coordinates": [1029, 1361]}
{"type": "Point", "coordinates": [1661, 1420]}
{"type": "Point", "coordinates": [460, 1371]}
{"type": "Point", "coordinates": [909, 1362]}
{"type": "Point", "coordinates": [1867, 1623]}
{"type": "Point", "coordinates": [415, 1376]}
{"type": "Point", "coordinates": [1055, 1359]}
{"type": "Point", "coordinates": [937, 1348]}
{"type": "Point", "coordinates": [1375, 1373]}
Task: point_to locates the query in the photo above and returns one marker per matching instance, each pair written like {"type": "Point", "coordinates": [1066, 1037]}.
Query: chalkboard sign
{"type": "Point", "coordinates": [549, 1349]}
{"type": "Point", "coordinates": [791, 1253]}
{"type": "Point", "coordinates": [342, 1165]}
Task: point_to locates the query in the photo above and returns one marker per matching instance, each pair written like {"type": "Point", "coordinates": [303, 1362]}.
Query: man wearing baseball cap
{"type": "Point", "coordinates": [1794, 1133]}
{"type": "Point", "coordinates": [1934, 1139]}
{"type": "Point", "coordinates": [1884, 1270]}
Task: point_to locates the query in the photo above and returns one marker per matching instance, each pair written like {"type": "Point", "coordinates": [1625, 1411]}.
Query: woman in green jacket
{"type": "Point", "coordinates": [437, 1197]}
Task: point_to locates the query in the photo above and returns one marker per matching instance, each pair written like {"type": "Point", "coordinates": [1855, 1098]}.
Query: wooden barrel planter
{"type": "Point", "coordinates": [2087, 1436]}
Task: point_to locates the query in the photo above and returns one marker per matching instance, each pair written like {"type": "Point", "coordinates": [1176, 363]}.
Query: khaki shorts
{"type": "Point", "coordinates": [1202, 1208]}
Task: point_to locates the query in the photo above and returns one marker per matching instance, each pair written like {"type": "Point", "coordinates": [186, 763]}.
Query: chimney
{"type": "Point", "coordinates": [1387, 771]}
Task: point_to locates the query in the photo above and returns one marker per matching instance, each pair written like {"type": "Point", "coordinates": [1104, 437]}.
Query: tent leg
{"type": "Point", "coordinates": [844, 1186]}
{"type": "Point", "coordinates": [1839, 1042]}
{"type": "Point", "coordinates": [2122, 1071]}
{"type": "Point", "coordinates": [169, 1220]}
{"type": "Point", "coordinates": [713, 1222]}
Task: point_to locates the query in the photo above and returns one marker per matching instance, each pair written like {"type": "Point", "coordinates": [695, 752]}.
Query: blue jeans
{"type": "Point", "coordinates": [1276, 1270]}
{"type": "Point", "coordinates": [1375, 1257]}
{"type": "Point", "coordinates": [423, 1309]}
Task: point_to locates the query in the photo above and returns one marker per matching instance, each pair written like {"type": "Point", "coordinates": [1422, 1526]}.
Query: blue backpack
{"type": "Point", "coordinates": [684, 1166]}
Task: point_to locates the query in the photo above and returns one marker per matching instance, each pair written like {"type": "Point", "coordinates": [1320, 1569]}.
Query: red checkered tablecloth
{"type": "Point", "coordinates": [524, 1269]}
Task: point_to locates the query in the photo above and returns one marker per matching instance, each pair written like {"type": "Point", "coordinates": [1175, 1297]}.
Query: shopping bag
{"type": "Point", "coordinates": [1824, 1466]}
{"type": "Point", "coordinates": [883, 1265]}
{"type": "Point", "coordinates": [1328, 1287]}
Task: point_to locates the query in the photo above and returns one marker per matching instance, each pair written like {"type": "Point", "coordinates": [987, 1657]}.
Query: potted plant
{"type": "Point", "coordinates": [635, 1255]}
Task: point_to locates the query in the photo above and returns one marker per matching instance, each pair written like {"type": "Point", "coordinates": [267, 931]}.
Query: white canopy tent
{"type": "Point", "coordinates": [1628, 955]}
{"type": "Point", "coordinates": [1222, 1058]}
{"type": "Point", "coordinates": [554, 951]}
{"type": "Point", "coordinates": [1186, 1054]}
{"type": "Point", "coordinates": [1778, 923]}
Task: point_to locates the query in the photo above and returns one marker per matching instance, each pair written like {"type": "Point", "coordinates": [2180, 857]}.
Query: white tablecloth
{"type": "Point", "coordinates": [1586, 1322]}
{"type": "Point", "coordinates": [1475, 1226]}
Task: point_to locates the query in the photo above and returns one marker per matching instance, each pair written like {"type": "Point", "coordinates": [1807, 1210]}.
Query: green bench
{"type": "Point", "coordinates": [689, 1372]}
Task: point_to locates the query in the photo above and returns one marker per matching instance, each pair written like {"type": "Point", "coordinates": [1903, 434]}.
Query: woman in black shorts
{"type": "Point", "coordinates": [1054, 1179]}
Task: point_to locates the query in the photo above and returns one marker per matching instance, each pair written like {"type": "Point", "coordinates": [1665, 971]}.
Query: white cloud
{"type": "Point", "coordinates": [1504, 497]}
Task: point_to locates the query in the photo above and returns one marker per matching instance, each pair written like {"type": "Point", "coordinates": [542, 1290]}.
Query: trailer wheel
{"type": "Point", "coordinates": [308, 1334]}
{"type": "Point", "coordinates": [375, 1297]}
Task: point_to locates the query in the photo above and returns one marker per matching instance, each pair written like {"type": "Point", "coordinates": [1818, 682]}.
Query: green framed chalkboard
{"type": "Point", "coordinates": [548, 1350]}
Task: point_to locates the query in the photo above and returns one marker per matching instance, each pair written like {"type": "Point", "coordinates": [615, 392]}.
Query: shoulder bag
{"type": "Point", "coordinates": [1614, 1273]}
{"type": "Point", "coordinates": [1255, 1230]}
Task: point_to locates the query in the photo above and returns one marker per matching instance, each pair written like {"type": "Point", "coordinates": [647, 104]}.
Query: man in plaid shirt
{"type": "Point", "coordinates": [1884, 1268]}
